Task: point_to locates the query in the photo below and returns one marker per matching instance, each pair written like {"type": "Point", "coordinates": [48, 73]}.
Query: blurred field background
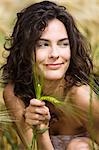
{"type": "Point", "coordinates": [85, 12]}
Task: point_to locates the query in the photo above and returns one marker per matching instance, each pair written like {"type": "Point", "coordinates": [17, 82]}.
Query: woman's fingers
{"type": "Point", "coordinates": [35, 116]}
{"type": "Point", "coordinates": [37, 109]}
{"type": "Point", "coordinates": [47, 116]}
{"type": "Point", "coordinates": [37, 106]}
{"type": "Point", "coordinates": [37, 119]}
{"type": "Point", "coordinates": [32, 122]}
{"type": "Point", "coordinates": [37, 113]}
{"type": "Point", "coordinates": [35, 102]}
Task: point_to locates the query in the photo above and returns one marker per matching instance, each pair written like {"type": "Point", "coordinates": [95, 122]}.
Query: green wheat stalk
{"type": "Point", "coordinates": [54, 101]}
{"type": "Point", "coordinates": [50, 99]}
{"type": "Point", "coordinates": [91, 121]}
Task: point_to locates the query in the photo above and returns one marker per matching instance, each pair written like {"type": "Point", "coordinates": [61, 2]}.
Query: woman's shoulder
{"type": "Point", "coordinates": [81, 91]}
{"type": "Point", "coordinates": [81, 95]}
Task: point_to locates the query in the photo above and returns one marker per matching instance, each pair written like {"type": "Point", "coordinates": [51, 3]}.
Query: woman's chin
{"type": "Point", "coordinates": [53, 77]}
{"type": "Point", "coordinates": [53, 74]}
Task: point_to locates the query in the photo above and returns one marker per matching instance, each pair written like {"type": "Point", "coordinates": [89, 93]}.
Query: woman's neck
{"type": "Point", "coordinates": [54, 88]}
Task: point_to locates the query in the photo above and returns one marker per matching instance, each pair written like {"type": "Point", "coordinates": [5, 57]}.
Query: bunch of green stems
{"type": "Point", "coordinates": [50, 99]}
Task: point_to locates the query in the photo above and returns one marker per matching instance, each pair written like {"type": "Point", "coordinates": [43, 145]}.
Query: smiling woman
{"type": "Point", "coordinates": [46, 45]}
{"type": "Point", "coordinates": [53, 51]}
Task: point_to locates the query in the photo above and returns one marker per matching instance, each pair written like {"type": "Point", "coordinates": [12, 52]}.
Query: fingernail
{"type": "Point", "coordinates": [43, 102]}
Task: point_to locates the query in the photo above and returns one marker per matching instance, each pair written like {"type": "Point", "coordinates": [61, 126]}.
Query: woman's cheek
{"type": "Point", "coordinates": [67, 54]}
{"type": "Point", "coordinates": [41, 55]}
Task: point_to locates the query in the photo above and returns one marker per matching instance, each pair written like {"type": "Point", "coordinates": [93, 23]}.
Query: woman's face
{"type": "Point", "coordinates": [53, 51]}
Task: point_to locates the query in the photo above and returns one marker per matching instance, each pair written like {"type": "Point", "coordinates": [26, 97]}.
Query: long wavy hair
{"type": "Point", "coordinates": [29, 26]}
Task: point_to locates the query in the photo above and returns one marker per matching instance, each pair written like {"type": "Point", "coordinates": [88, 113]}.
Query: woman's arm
{"type": "Point", "coordinates": [23, 121]}
{"type": "Point", "coordinates": [16, 110]}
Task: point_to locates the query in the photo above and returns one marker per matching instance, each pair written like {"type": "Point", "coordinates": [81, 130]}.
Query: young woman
{"type": "Point", "coordinates": [45, 39]}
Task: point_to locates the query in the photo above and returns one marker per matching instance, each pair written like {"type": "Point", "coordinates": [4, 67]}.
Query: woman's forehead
{"type": "Point", "coordinates": [54, 29]}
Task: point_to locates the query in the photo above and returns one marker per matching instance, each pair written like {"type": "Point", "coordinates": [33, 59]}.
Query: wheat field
{"type": "Point", "coordinates": [85, 12]}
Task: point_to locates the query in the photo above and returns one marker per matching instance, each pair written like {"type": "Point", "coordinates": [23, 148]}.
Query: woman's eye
{"type": "Point", "coordinates": [42, 44]}
{"type": "Point", "coordinates": [46, 44]}
{"type": "Point", "coordinates": [64, 44]}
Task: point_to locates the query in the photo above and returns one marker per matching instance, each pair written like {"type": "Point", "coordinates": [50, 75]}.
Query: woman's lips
{"type": "Point", "coordinates": [54, 66]}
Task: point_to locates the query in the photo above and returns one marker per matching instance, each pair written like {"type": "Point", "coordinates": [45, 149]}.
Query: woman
{"type": "Point", "coordinates": [46, 44]}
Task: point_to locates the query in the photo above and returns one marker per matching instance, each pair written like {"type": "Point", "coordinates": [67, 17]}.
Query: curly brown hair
{"type": "Point", "coordinates": [29, 26]}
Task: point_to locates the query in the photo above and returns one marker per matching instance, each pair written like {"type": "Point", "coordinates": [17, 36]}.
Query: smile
{"type": "Point", "coordinates": [54, 66]}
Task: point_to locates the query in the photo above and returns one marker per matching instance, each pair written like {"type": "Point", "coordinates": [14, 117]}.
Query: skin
{"type": "Point", "coordinates": [53, 58]}
{"type": "Point", "coordinates": [53, 51]}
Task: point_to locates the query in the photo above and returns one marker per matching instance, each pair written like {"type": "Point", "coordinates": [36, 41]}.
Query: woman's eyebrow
{"type": "Point", "coordinates": [41, 39]}
{"type": "Point", "coordinates": [64, 39]}
{"type": "Point", "coordinates": [60, 40]}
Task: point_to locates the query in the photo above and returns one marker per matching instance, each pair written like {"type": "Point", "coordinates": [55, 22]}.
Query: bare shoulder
{"type": "Point", "coordinates": [82, 96]}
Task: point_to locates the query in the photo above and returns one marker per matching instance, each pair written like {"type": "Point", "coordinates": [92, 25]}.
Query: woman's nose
{"type": "Point", "coordinates": [54, 52]}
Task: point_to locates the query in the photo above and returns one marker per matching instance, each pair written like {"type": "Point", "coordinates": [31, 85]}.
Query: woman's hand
{"type": "Point", "coordinates": [37, 114]}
